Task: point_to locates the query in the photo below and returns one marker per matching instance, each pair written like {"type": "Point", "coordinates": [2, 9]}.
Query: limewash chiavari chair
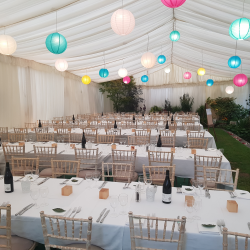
{"type": "Point", "coordinates": [172, 126]}
{"type": "Point", "coordinates": [195, 134]}
{"type": "Point", "coordinates": [151, 124]}
{"type": "Point", "coordinates": [131, 124]}
{"type": "Point", "coordinates": [220, 179]}
{"type": "Point", "coordinates": [199, 143]}
{"type": "Point", "coordinates": [168, 141]}
{"type": "Point", "coordinates": [143, 132]}
{"type": "Point", "coordinates": [42, 130]}
{"type": "Point", "coordinates": [105, 139]}
{"type": "Point", "coordinates": [13, 150]}
{"type": "Point", "coordinates": [45, 137]}
{"type": "Point", "coordinates": [75, 137]}
{"type": "Point", "coordinates": [113, 131]}
{"type": "Point", "coordinates": [20, 165]}
{"type": "Point", "coordinates": [57, 123]}
{"type": "Point", "coordinates": [77, 230]}
{"type": "Point", "coordinates": [138, 140]}
{"type": "Point", "coordinates": [64, 133]}
{"type": "Point", "coordinates": [160, 157]}
{"type": "Point", "coordinates": [44, 123]}
{"type": "Point", "coordinates": [64, 167]}
{"type": "Point", "coordinates": [68, 118]}
{"type": "Point", "coordinates": [30, 125]}
{"type": "Point", "coordinates": [21, 130]}
{"type": "Point", "coordinates": [90, 134]}
{"type": "Point", "coordinates": [15, 137]}
{"type": "Point", "coordinates": [120, 172]}
{"type": "Point", "coordinates": [60, 118]}
{"type": "Point", "coordinates": [158, 173]}
{"type": "Point", "coordinates": [190, 126]}
{"type": "Point", "coordinates": [3, 133]}
{"type": "Point", "coordinates": [138, 234]}
{"type": "Point", "coordinates": [8, 241]}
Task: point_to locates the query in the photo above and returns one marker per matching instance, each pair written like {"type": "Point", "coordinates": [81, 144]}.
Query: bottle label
{"type": "Point", "coordinates": [167, 197]}
{"type": "Point", "coordinates": [7, 187]}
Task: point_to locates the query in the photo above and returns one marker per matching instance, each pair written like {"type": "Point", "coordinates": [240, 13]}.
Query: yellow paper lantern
{"type": "Point", "coordinates": [201, 72]}
{"type": "Point", "coordinates": [7, 45]}
{"type": "Point", "coordinates": [86, 79]}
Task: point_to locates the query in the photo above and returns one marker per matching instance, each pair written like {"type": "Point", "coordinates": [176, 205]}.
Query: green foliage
{"type": "Point", "coordinates": [155, 109]}
{"type": "Point", "coordinates": [186, 103]}
{"type": "Point", "coordinates": [203, 115]}
{"type": "Point", "coordinates": [248, 103]}
{"type": "Point", "coordinates": [167, 106]}
{"type": "Point", "coordinates": [125, 97]}
{"type": "Point", "coordinates": [175, 109]}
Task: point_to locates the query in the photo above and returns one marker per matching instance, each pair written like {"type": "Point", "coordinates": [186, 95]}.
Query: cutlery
{"type": "Point", "coordinates": [43, 181]}
{"type": "Point", "coordinates": [61, 152]}
{"type": "Point", "coordinates": [105, 215]}
{"type": "Point", "coordinates": [64, 182]}
{"type": "Point", "coordinates": [73, 211]}
{"type": "Point", "coordinates": [125, 186]}
{"type": "Point", "coordinates": [103, 184]}
{"type": "Point", "coordinates": [179, 190]}
{"type": "Point", "coordinates": [77, 211]}
{"type": "Point", "coordinates": [25, 210]}
{"type": "Point", "coordinates": [65, 215]}
{"type": "Point", "coordinates": [103, 211]}
{"type": "Point", "coordinates": [232, 194]}
{"type": "Point", "coordinates": [19, 179]}
{"type": "Point", "coordinates": [128, 185]}
{"type": "Point", "coordinates": [152, 221]}
{"type": "Point", "coordinates": [30, 151]}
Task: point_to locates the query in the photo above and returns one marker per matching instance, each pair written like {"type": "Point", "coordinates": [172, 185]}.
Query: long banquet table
{"type": "Point", "coordinates": [114, 233]}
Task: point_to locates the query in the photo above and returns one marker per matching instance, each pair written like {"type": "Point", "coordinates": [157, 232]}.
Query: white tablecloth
{"type": "Point", "coordinates": [114, 234]}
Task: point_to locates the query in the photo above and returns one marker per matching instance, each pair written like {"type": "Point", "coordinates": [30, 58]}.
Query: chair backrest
{"type": "Point", "coordinates": [207, 161]}
{"type": "Point", "coordinates": [117, 170]}
{"type": "Point", "coordinates": [13, 150]}
{"type": "Point", "coordinates": [138, 140]}
{"type": "Point", "coordinates": [160, 157]}
{"type": "Point", "coordinates": [220, 179]}
{"type": "Point", "coordinates": [86, 154]}
{"type": "Point", "coordinates": [64, 167]}
{"type": "Point", "coordinates": [113, 131]}
{"type": "Point", "coordinates": [170, 235]}
{"type": "Point", "coordinates": [105, 139]}
{"type": "Point", "coordinates": [21, 130]}
{"type": "Point", "coordinates": [168, 141]}
{"type": "Point", "coordinates": [172, 126]}
{"type": "Point", "coordinates": [158, 173]}
{"type": "Point", "coordinates": [45, 151]}
{"type": "Point", "coordinates": [6, 237]}
{"type": "Point", "coordinates": [167, 132]}
{"type": "Point", "coordinates": [90, 131]}
{"type": "Point", "coordinates": [4, 130]}
{"type": "Point", "coordinates": [75, 137]}
{"type": "Point", "coordinates": [58, 118]}
{"type": "Point", "coordinates": [143, 132]}
{"type": "Point", "coordinates": [45, 137]}
{"type": "Point", "coordinates": [16, 137]}
{"type": "Point", "coordinates": [190, 126]}
{"type": "Point", "coordinates": [151, 124]}
{"type": "Point", "coordinates": [63, 131]}
{"type": "Point", "coordinates": [30, 124]}
{"type": "Point", "coordinates": [42, 130]}
{"type": "Point", "coordinates": [124, 156]}
{"type": "Point", "coordinates": [195, 134]}
{"type": "Point", "coordinates": [52, 230]}
{"type": "Point", "coordinates": [20, 165]}
{"type": "Point", "coordinates": [200, 143]}
{"type": "Point", "coordinates": [44, 122]}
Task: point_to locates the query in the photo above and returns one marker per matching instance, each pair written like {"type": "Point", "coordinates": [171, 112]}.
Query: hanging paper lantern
{"type": "Point", "coordinates": [167, 70]}
{"type": "Point", "coordinates": [144, 78]}
{"type": "Point", "coordinates": [148, 60]}
{"type": "Point", "coordinates": [173, 3]}
{"type": "Point", "coordinates": [122, 72]}
{"type": "Point", "coordinates": [240, 29]}
{"type": "Point", "coordinates": [187, 75]}
{"type": "Point", "coordinates": [7, 45]}
{"type": "Point", "coordinates": [103, 73]}
{"type": "Point", "coordinates": [174, 36]}
{"type": "Point", "coordinates": [61, 64]}
{"type": "Point", "coordinates": [161, 59]}
{"type": "Point", "coordinates": [234, 62]}
{"type": "Point", "coordinates": [122, 22]}
{"type": "Point", "coordinates": [229, 90]}
{"type": "Point", "coordinates": [126, 79]}
{"type": "Point", "coordinates": [240, 80]}
{"type": "Point", "coordinates": [56, 43]}
{"type": "Point", "coordinates": [86, 79]}
{"type": "Point", "coordinates": [201, 72]}
{"type": "Point", "coordinates": [210, 82]}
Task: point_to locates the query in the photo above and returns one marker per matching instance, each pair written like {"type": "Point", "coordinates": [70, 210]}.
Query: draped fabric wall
{"type": "Point", "coordinates": [30, 91]}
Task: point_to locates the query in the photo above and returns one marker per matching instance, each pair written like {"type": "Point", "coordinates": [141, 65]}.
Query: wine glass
{"type": "Point", "coordinates": [197, 206]}
{"type": "Point", "coordinates": [123, 199]}
{"type": "Point", "coordinates": [141, 183]}
{"type": "Point", "coordinates": [96, 176]}
{"type": "Point", "coordinates": [189, 208]}
{"type": "Point", "coordinates": [148, 180]}
{"type": "Point", "coordinates": [114, 203]}
{"type": "Point", "coordinates": [201, 186]}
{"type": "Point", "coordinates": [88, 178]}
{"type": "Point", "coordinates": [44, 191]}
{"type": "Point", "coordinates": [185, 144]}
{"type": "Point", "coordinates": [34, 193]}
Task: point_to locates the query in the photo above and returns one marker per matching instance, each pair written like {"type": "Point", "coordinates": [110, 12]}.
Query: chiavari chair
{"type": "Point", "coordinates": [143, 132]}
{"type": "Point", "coordinates": [30, 125]}
{"type": "Point", "coordinates": [75, 137]}
{"type": "Point", "coordinates": [195, 134]}
{"type": "Point", "coordinates": [190, 126]}
{"type": "Point", "coordinates": [60, 118]}
{"type": "Point", "coordinates": [20, 165]}
{"type": "Point", "coordinates": [199, 143]}
{"type": "Point", "coordinates": [105, 139]}
{"type": "Point", "coordinates": [4, 133]}
{"type": "Point", "coordinates": [8, 241]}
{"type": "Point", "coordinates": [13, 150]}
{"type": "Point", "coordinates": [64, 133]}
{"type": "Point", "coordinates": [90, 134]}
{"type": "Point", "coordinates": [113, 131]}
{"type": "Point", "coordinates": [158, 173]}
{"type": "Point", "coordinates": [57, 123]}
{"type": "Point", "coordinates": [140, 235]}
{"type": "Point", "coordinates": [160, 157]}
{"type": "Point", "coordinates": [138, 140]}
{"type": "Point", "coordinates": [16, 137]}
{"type": "Point", "coordinates": [168, 141]}
{"type": "Point", "coordinates": [21, 130]}
{"type": "Point", "coordinates": [151, 124]}
{"type": "Point", "coordinates": [64, 167]}
{"type": "Point", "coordinates": [77, 230]}
{"type": "Point", "coordinates": [45, 137]}
{"type": "Point", "coordinates": [42, 130]}
{"type": "Point", "coordinates": [45, 123]}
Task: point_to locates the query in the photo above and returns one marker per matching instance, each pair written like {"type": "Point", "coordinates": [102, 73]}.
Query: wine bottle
{"type": "Point", "coordinates": [133, 118]}
{"type": "Point", "coordinates": [168, 113]}
{"type": "Point", "coordinates": [102, 113]}
{"type": "Point", "coordinates": [0, 142]}
{"type": "Point", "coordinates": [167, 127]}
{"type": "Point", "coordinates": [143, 113]}
{"type": "Point", "coordinates": [8, 180]}
{"type": "Point", "coordinates": [159, 142]}
{"type": "Point", "coordinates": [83, 140]}
{"type": "Point", "coordinates": [167, 190]}
{"type": "Point", "coordinates": [172, 119]}
{"type": "Point", "coordinates": [39, 124]}
{"type": "Point", "coordinates": [73, 119]}
{"type": "Point", "coordinates": [115, 126]}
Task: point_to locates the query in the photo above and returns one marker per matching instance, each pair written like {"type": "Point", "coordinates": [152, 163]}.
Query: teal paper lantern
{"type": "Point", "coordinates": [161, 59]}
{"type": "Point", "coordinates": [56, 43]}
{"type": "Point", "coordinates": [240, 29]}
{"type": "Point", "coordinates": [234, 62]}
{"type": "Point", "coordinates": [104, 73]}
{"type": "Point", "coordinates": [174, 36]}
{"type": "Point", "coordinates": [144, 78]}
{"type": "Point", "coordinates": [210, 82]}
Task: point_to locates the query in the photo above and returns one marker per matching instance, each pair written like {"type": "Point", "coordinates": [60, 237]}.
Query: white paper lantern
{"type": "Point", "coordinates": [167, 70]}
{"type": "Point", "coordinates": [122, 22]}
{"type": "Point", "coordinates": [7, 45]}
{"type": "Point", "coordinates": [122, 72]}
{"type": "Point", "coordinates": [61, 64]}
{"type": "Point", "coordinates": [148, 60]}
{"type": "Point", "coordinates": [229, 90]}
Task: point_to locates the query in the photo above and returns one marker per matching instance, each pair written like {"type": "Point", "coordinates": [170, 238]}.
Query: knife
{"type": "Point", "coordinates": [104, 183]}
{"type": "Point", "coordinates": [65, 215]}
{"type": "Point", "coordinates": [61, 152]}
{"type": "Point", "coordinates": [19, 179]}
{"type": "Point", "coordinates": [101, 214]}
{"type": "Point", "coordinates": [43, 181]}
{"type": "Point", "coordinates": [23, 209]}
{"type": "Point", "coordinates": [105, 215]}
{"type": "Point", "coordinates": [32, 205]}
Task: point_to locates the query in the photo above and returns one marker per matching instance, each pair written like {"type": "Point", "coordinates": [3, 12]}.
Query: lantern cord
{"type": "Point", "coordinates": [148, 42]}
{"type": "Point", "coordinates": [104, 58]}
{"type": "Point", "coordinates": [122, 63]}
{"type": "Point", "coordinates": [202, 58]}
{"type": "Point", "coordinates": [243, 8]}
{"type": "Point", "coordinates": [236, 48]}
{"type": "Point", "coordinates": [56, 21]}
{"type": "Point", "coordinates": [122, 4]}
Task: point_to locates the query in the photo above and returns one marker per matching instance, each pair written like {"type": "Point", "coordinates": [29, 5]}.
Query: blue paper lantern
{"type": "Point", "coordinates": [240, 29]}
{"type": "Point", "coordinates": [210, 82]}
{"type": "Point", "coordinates": [174, 36]}
{"type": "Point", "coordinates": [161, 59]}
{"type": "Point", "coordinates": [104, 73]}
{"type": "Point", "coordinates": [144, 78]}
{"type": "Point", "coordinates": [234, 62]}
{"type": "Point", "coordinates": [56, 43]}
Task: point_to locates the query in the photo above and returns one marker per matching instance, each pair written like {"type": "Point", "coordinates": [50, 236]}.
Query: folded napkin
{"type": "Point", "coordinates": [242, 194]}
{"type": "Point", "coordinates": [185, 190]}
{"type": "Point", "coordinates": [208, 230]}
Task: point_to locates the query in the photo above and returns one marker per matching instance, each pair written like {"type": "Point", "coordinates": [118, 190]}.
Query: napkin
{"type": "Point", "coordinates": [242, 194]}
{"type": "Point", "coordinates": [184, 191]}
{"type": "Point", "coordinates": [70, 182]}
{"type": "Point", "coordinates": [208, 230]}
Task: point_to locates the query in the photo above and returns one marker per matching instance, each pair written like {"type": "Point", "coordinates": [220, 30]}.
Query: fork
{"type": "Point", "coordinates": [125, 186]}
{"type": "Point", "coordinates": [77, 211]}
{"type": "Point", "coordinates": [64, 182]}
{"type": "Point", "coordinates": [73, 211]}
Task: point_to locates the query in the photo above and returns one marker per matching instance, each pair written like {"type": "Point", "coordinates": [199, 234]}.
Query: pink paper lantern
{"type": "Point", "coordinates": [187, 75]}
{"type": "Point", "coordinates": [240, 80]}
{"type": "Point", "coordinates": [126, 79]}
{"type": "Point", "coordinates": [173, 3]}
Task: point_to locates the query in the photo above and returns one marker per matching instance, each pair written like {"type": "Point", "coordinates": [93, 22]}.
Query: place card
{"type": "Point", "coordinates": [32, 129]}
{"type": "Point", "coordinates": [173, 150]}
{"type": "Point", "coordinates": [104, 193]}
{"type": "Point", "coordinates": [67, 190]}
{"type": "Point", "coordinates": [55, 129]}
{"type": "Point", "coordinates": [132, 148]}
{"type": "Point", "coordinates": [113, 146]}
{"type": "Point", "coordinates": [21, 143]}
{"type": "Point", "coordinates": [193, 151]}
{"type": "Point", "coordinates": [67, 122]}
{"type": "Point", "coordinates": [232, 206]}
{"type": "Point", "coordinates": [133, 130]}
{"type": "Point", "coordinates": [148, 130]}
{"type": "Point", "coordinates": [69, 129]}
{"type": "Point", "coordinates": [190, 200]}
{"type": "Point", "coordinates": [54, 145]}
{"type": "Point", "coordinates": [72, 146]}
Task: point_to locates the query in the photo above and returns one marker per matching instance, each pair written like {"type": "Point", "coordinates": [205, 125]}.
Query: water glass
{"type": "Point", "coordinates": [123, 199]}
{"type": "Point", "coordinates": [88, 178]}
{"type": "Point", "coordinates": [197, 206]}
{"type": "Point", "coordinates": [148, 181]}
{"type": "Point", "coordinates": [150, 193]}
{"type": "Point", "coordinates": [201, 186]}
{"type": "Point", "coordinates": [189, 208]}
{"type": "Point", "coordinates": [185, 144]}
{"type": "Point", "coordinates": [96, 176]}
{"type": "Point", "coordinates": [114, 203]}
{"type": "Point", "coordinates": [141, 184]}
{"type": "Point", "coordinates": [44, 191]}
{"type": "Point", "coordinates": [34, 193]}
{"type": "Point", "coordinates": [25, 184]}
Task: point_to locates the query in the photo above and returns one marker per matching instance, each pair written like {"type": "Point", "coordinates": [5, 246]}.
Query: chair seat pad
{"type": "Point", "coordinates": [82, 173]}
{"type": "Point", "coordinates": [47, 172]}
{"type": "Point", "coordinates": [83, 245]}
{"type": "Point", "coordinates": [18, 243]}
